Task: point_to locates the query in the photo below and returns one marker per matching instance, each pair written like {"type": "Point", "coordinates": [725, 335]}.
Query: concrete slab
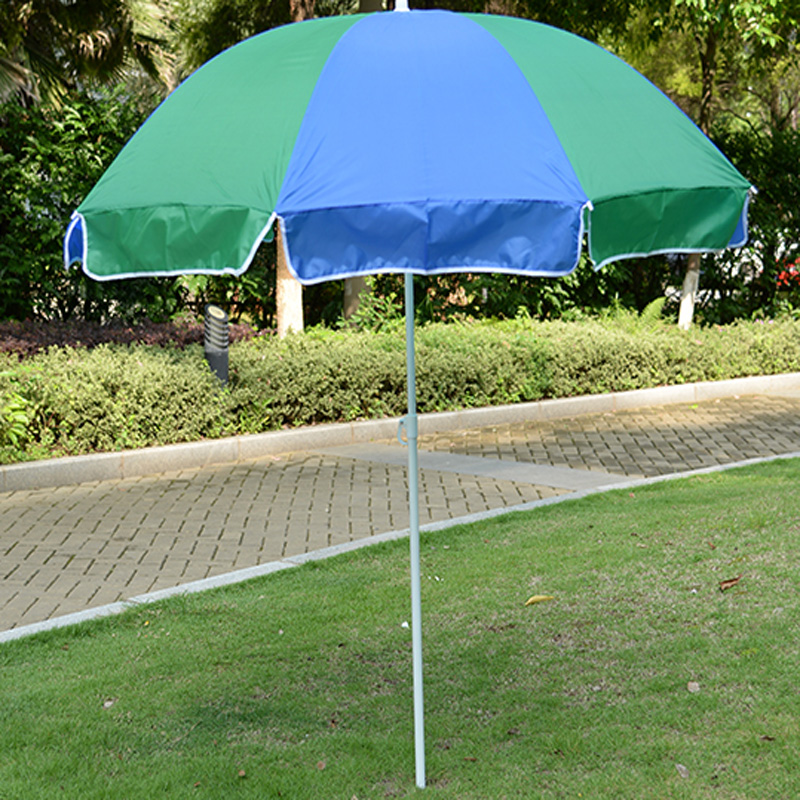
{"type": "Point", "coordinates": [518, 472]}
{"type": "Point", "coordinates": [60, 471]}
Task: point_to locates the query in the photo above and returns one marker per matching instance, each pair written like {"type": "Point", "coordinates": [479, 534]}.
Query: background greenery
{"type": "Point", "coordinates": [78, 78]}
{"type": "Point", "coordinates": [74, 400]}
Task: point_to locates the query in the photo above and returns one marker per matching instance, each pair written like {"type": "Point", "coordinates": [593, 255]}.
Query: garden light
{"type": "Point", "coordinates": [215, 341]}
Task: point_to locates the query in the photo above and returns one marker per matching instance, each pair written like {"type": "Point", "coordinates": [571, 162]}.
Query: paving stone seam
{"type": "Point", "coordinates": [139, 463]}
{"type": "Point", "coordinates": [248, 573]}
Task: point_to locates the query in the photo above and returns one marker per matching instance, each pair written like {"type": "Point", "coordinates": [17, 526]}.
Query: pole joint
{"type": "Point", "coordinates": [407, 429]}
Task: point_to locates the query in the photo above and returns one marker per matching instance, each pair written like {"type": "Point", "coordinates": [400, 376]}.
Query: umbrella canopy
{"type": "Point", "coordinates": [421, 142]}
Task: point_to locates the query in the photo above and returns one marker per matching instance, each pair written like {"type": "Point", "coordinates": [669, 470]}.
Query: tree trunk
{"type": "Point", "coordinates": [301, 9]}
{"type": "Point", "coordinates": [353, 289]}
{"type": "Point", "coordinates": [288, 294]}
{"type": "Point", "coordinates": [708, 69]}
{"type": "Point", "coordinates": [288, 290]}
{"type": "Point", "coordinates": [708, 61]}
{"type": "Point", "coordinates": [691, 283]}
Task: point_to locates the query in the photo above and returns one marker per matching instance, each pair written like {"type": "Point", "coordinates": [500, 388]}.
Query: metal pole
{"type": "Point", "coordinates": [413, 508]}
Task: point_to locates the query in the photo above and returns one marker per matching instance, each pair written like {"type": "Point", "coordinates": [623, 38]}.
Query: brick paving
{"type": "Point", "coordinates": [71, 548]}
{"type": "Point", "coordinates": [642, 443]}
{"type": "Point", "coordinates": [65, 549]}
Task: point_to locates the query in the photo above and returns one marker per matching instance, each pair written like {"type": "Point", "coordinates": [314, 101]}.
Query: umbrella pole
{"type": "Point", "coordinates": [410, 425]}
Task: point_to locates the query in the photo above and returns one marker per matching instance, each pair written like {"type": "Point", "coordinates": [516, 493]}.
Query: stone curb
{"type": "Point", "coordinates": [154, 460]}
{"type": "Point", "coordinates": [239, 576]}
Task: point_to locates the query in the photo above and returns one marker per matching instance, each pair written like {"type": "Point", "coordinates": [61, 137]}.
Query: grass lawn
{"type": "Point", "coordinates": [640, 679]}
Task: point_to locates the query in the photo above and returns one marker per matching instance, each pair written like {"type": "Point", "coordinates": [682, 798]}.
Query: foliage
{"type": "Point", "coordinates": [472, 296]}
{"type": "Point", "coordinates": [14, 417]}
{"type": "Point", "coordinates": [307, 379]}
{"type": "Point", "coordinates": [620, 355]}
{"type": "Point", "coordinates": [48, 46]}
{"type": "Point", "coordinates": [248, 298]}
{"type": "Point", "coordinates": [380, 306]}
{"type": "Point", "coordinates": [741, 284]}
{"type": "Point", "coordinates": [210, 26]}
{"type": "Point", "coordinates": [298, 684]}
{"type": "Point", "coordinates": [753, 19]}
{"type": "Point", "coordinates": [80, 400]}
{"type": "Point", "coordinates": [49, 160]}
{"type": "Point", "coordinates": [328, 377]}
{"type": "Point", "coordinates": [464, 365]}
{"type": "Point", "coordinates": [719, 58]}
{"type": "Point", "coordinates": [115, 397]}
{"type": "Point", "coordinates": [29, 338]}
{"type": "Point", "coordinates": [726, 37]}
{"type": "Point", "coordinates": [588, 18]}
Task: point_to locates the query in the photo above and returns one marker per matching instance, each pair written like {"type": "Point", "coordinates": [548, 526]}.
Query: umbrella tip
{"type": "Point", "coordinates": [401, 5]}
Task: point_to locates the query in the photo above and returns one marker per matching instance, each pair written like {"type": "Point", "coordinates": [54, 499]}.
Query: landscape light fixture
{"type": "Point", "coordinates": [215, 341]}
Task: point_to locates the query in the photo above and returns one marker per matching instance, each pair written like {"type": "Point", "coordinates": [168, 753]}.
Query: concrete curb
{"type": "Point", "coordinates": [135, 463]}
{"type": "Point", "coordinates": [239, 576]}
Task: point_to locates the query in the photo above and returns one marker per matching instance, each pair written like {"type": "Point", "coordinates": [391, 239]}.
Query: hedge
{"type": "Point", "coordinates": [71, 400]}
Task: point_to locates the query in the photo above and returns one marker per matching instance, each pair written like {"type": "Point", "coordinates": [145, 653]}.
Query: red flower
{"type": "Point", "coordinates": [790, 277]}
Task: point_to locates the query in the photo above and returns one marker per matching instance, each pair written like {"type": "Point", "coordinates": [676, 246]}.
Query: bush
{"type": "Point", "coordinates": [610, 356]}
{"type": "Point", "coordinates": [78, 400]}
{"type": "Point", "coordinates": [117, 397]}
{"type": "Point", "coordinates": [327, 376]}
{"type": "Point", "coordinates": [307, 379]}
{"type": "Point", "coordinates": [14, 419]}
{"type": "Point", "coordinates": [466, 365]}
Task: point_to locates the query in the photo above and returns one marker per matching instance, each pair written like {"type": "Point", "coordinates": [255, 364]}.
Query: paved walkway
{"type": "Point", "coordinates": [74, 548]}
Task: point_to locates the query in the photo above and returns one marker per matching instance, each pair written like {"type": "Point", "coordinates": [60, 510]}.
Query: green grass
{"type": "Point", "coordinates": [298, 685]}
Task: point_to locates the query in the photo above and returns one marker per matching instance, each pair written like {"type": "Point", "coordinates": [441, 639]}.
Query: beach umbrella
{"type": "Point", "coordinates": [418, 142]}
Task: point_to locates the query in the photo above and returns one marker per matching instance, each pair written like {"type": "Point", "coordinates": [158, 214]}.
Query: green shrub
{"type": "Point", "coordinates": [329, 376]}
{"type": "Point", "coordinates": [14, 419]}
{"type": "Point", "coordinates": [308, 379]}
{"type": "Point", "coordinates": [71, 401]}
{"type": "Point", "coordinates": [611, 355]}
{"type": "Point", "coordinates": [118, 397]}
{"type": "Point", "coordinates": [476, 364]}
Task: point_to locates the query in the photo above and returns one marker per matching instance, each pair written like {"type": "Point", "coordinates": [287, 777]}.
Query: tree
{"type": "Point", "coordinates": [48, 46]}
{"type": "Point", "coordinates": [714, 25]}
{"type": "Point", "coordinates": [49, 159]}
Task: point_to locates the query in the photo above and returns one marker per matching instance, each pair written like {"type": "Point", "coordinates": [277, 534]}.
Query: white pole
{"type": "Point", "coordinates": [410, 424]}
